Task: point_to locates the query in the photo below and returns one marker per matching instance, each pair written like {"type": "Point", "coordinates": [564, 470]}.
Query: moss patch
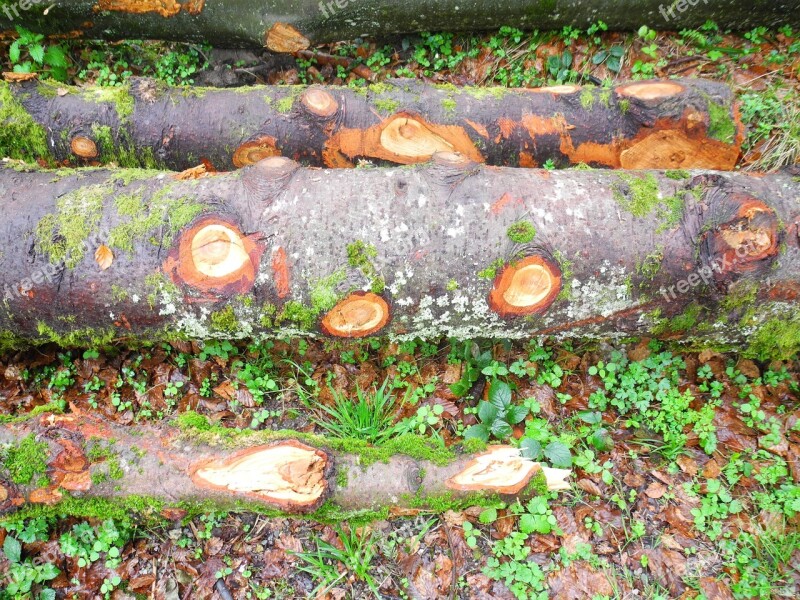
{"type": "Point", "coordinates": [26, 460]}
{"type": "Point", "coordinates": [360, 256]}
{"type": "Point", "coordinates": [86, 337]}
{"type": "Point", "coordinates": [225, 320]}
{"type": "Point", "coordinates": [721, 126]}
{"type": "Point", "coordinates": [20, 136]}
{"type": "Point", "coordinates": [521, 232]}
{"type": "Point", "coordinates": [778, 338]}
{"type": "Point", "coordinates": [641, 197]}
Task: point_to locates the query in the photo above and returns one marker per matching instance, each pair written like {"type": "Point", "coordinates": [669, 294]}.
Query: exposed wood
{"type": "Point", "coordinates": [284, 25]}
{"type": "Point", "coordinates": [451, 249]}
{"type": "Point", "coordinates": [660, 124]}
{"type": "Point", "coordinates": [293, 476]}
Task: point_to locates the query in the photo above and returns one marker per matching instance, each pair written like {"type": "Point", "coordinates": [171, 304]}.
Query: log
{"type": "Point", "coordinates": [273, 470]}
{"type": "Point", "coordinates": [681, 124]}
{"type": "Point", "coordinates": [284, 26]}
{"type": "Point", "coordinates": [451, 248]}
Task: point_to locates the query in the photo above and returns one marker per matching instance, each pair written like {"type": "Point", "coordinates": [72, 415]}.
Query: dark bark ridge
{"type": "Point", "coordinates": [276, 249]}
{"type": "Point", "coordinates": [681, 124]}
{"type": "Point", "coordinates": [290, 26]}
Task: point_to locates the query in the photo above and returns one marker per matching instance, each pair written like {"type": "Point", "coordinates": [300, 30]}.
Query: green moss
{"type": "Point", "coordinates": [566, 275]}
{"type": "Point", "coordinates": [62, 236]}
{"type": "Point", "coordinates": [587, 99]}
{"type": "Point", "coordinates": [86, 337]}
{"type": "Point", "coordinates": [449, 105]}
{"type": "Point", "coordinates": [641, 196]}
{"type": "Point", "coordinates": [605, 98]}
{"type": "Point", "coordinates": [119, 96]}
{"type": "Point", "coordinates": [776, 339]}
{"type": "Point", "coordinates": [26, 460]}
{"type": "Point", "coordinates": [452, 285]}
{"type": "Point", "coordinates": [387, 105]}
{"type": "Point", "coordinates": [197, 428]}
{"type": "Point", "coordinates": [118, 294]}
{"type": "Point", "coordinates": [490, 272]}
{"type": "Point", "coordinates": [721, 126]}
{"type": "Point", "coordinates": [537, 485]}
{"type": "Point", "coordinates": [682, 322]}
{"type": "Point", "coordinates": [521, 232]}
{"type": "Point", "coordinates": [225, 320]}
{"type": "Point", "coordinates": [473, 445]}
{"type": "Point", "coordinates": [360, 256]}
{"type": "Point", "coordinates": [341, 477]}
{"type": "Point", "coordinates": [284, 105]}
{"type": "Point", "coordinates": [482, 93]}
{"type": "Point", "coordinates": [651, 264]}
{"type": "Point", "coordinates": [741, 295]}
{"type": "Point", "coordinates": [21, 137]}
{"type": "Point", "coordinates": [677, 174]}
{"type": "Point", "coordinates": [624, 105]}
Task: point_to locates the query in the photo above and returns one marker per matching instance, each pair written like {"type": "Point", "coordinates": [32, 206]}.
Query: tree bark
{"type": "Point", "coordinates": [680, 124]}
{"type": "Point", "coordinates": [447, 249]}
{"type": "Point", "coordinates": [280, 472]}
{"type": "Point", "coordinates": [290, 26]}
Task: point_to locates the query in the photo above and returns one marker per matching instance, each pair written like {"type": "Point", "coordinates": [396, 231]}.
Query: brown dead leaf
{"type": "Point", "coordinates": [589, 486]}
{"type": "Point", "coordinates": [668, 567]}
{"type": "Point", "coordinates": [45, 496]}
{"type": "Point", "coordinates": [18, 77]}
{"type": "Point", "coordinates": [655, 490]}
{"type": "Point", "coordinates": [103, 256]}
{"type": "Point", "coordinates": [577, 582]}
{"type": "Point", "coordinates": [711, 469]}
{"type": "Point", "coordinates": [687, 464]}
{"type": "Point", "coordinates": [713, 589]}
{"type": "Point", "coordinates": [193, 173]}
{"type": "Point", "coordinates": [633, 480]}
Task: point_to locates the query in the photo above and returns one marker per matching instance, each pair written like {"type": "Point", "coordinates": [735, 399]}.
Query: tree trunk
{"type": "Point", "coordinates": [447, 249]}
{"type": "Point", "coordinates": [663, 124]}
{"type": "Point", "coordinates": [286, 26]}
{"type": "Point", "coordinates": [278, 471]}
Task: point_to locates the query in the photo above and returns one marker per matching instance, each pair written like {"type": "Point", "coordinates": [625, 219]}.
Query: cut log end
{"type": "Point", "coordinates": [411, 139]}
{"type": "Point", "coordinates": [651, 91]}
{"type": "Point", "coordinates": [214, 256]}
{"type": "Point", "coordinates": [501, 469]}
{"type": "Point", "coordinates": [526, 287]}
{"type": "Point", "coordinates": [288, 475]}
{"type": "Point", "coordinates": [559, 90]}
{"type": "Point", "coordinates": [319, 102]}
{"type": "Point", "coordinates": [282, 37]}
{"type": "Point", "coordinates": [253, 151]}
{"type": "Point", "coordinates": [675, 150]}
{"type": "Point", "coordinates": [83, 147]}
{"type": "Point", "coordinates": [358, 315]}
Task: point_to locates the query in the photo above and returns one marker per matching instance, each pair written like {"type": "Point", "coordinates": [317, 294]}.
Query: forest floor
{"type": "Point", "coordinates": [685, 475]}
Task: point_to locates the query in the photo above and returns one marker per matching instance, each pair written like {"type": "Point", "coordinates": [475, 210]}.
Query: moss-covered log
{"type": "Point", "coordinates": [90, 457]}
{"type": "Point", "coordinates": [681, 124]}
{"type": "Point", "coordinates": [451, 248]}
{"type": "Point", "coordinates": [284, 26]}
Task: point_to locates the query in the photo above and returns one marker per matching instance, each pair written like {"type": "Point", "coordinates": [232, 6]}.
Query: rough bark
{"type": "Point", "coordinates": [290, 26]}
{"type": "Point", "coordinates": [286, 474]}
{"type": "Point", "coordinates": [276, 249]}
{"type": "Point", "coordinates": [679, 124]}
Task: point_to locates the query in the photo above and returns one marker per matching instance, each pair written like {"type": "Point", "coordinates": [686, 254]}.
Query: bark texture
{"type": "Point", "coordinates": [679, 124]}
{"type": "Point", "coordinates": [286, 474]}
{"type": "Point", "coordinates": [285, 26]}
{"type": "Point", "coordinates": [451, 248]}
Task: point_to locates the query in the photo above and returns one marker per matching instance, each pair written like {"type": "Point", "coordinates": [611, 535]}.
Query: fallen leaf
{"type": "Point", "coordinates": [103, 256]}
{"type": "Point", "coordinates": [656, 490]}
{"type": "Point", "coordinates": [18, 77]}
{"type": "Point", "coordinates": [193, 173]}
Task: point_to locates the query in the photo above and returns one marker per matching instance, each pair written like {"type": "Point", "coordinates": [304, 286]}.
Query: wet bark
{"type": "Point", "coordinates": [290, 26]}
{"type": "Point", "coordinates": [451, 248]}
{"type": "Point", "coordinates": [676, 124]}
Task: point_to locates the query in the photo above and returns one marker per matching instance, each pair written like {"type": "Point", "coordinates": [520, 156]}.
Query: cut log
{"type": "Point", "coordinates": [680, 124]}
{"type": "Point", "coordinates": [284, 474]}
{"type": "Point", "coordinates": [284, 26]}
{"type": "Point", "coordinates": [450, 249]}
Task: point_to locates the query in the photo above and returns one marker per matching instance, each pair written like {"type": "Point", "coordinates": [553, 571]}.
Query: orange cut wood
{"type": "Point", "coordinates": [282, 37]}
{"type": "Point", "coordinates": [83, 147]}
{"type": "Point", "coordinates": [651, 90]}
{"type": "Point", "coordinates": [358, 315]}
{"type": "Point", "coordinates": [252, 151]}
{"type": "Point", "coordinates": [319, 102]}
{"type": "Point", "coordinates": [525, 287]}
{"type": "Point", "coordinates": [501, 469]}
{"type": "Point", "coordinates": [287, 474]}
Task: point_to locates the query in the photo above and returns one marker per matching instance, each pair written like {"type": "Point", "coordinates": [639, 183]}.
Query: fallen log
{"type": "Point", "coordinates": [452, 248]}
{"type": "Point", "coordinates": [268, 468]}
{"type": "Point", "coordinates": [680, 124]}
{"type": "Point", "coordinates": [284, 26]}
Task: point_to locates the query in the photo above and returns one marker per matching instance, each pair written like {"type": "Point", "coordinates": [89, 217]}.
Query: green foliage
{"type": "Point", "coordinates": [29, 54]}
{"type": "Point", "coordinates": [88, 544]}
{"type": "Point", "coordinates": [498, 415]}
{"type": "Point", "coordinates": [24, 574]}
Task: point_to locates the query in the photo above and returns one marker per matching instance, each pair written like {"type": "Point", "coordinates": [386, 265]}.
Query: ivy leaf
{"type": "Point", "coordinates": [12, 549]}
{"type": "Point", "coordinates": [531, 449]}
{"type": "Point", "coordinates": [559, 455]}
{"type": "Point", "coordinates": [500, 394]}
{"type": "Point", "coordinates": [480, 432]}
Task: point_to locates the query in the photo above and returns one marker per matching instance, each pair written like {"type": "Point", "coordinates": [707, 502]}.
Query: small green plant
{"type": "Point", "coordinates": [24, 574]}
{"type": "Point", "coordinates": [498, 415]}
{"type": "Point", "coordinates": [29, 54]}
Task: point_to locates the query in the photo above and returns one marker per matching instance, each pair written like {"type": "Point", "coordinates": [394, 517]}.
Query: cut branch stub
{"type": "Point", "coordinates": [287, 474]}
{"type": "Point", "coordinates": [83, 147]}
{"type": "Point", "coordinates": [358, 315]}
{"type": "Point", "coordinates": [252, 151]}
{"type": "Point", "coordinates": [213, 256]}
{"type": "Point", "coordinates": [746, 243]}
{"type": "Point", "coordinates": [500, 469]}
{"type": "Point", "coordinates": [526, 287]}
{"type": "Point", "coordinates": [651, 91]}
{"type": "Point", "coordinates": [319, 102]}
